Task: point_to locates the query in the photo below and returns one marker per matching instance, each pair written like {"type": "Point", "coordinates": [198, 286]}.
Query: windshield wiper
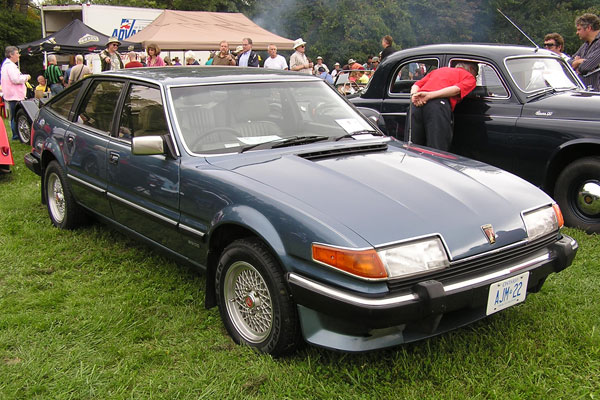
{"type": "Point", "coordinates": [286, 141]}
{"type": "Point", "coordinates": [363, 132]}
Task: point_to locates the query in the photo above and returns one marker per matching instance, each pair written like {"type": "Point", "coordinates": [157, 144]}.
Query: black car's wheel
{"type": "Point", "coordinates": [577, 192]}
{"type": "Point", "coordinates": [23, 126]}
{"type": "Point", "coordinates": [254, 301]}
{"type": "Point", "coordinates": [64, 211]}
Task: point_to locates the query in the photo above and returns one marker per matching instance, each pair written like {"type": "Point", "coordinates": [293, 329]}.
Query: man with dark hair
{"type": "Point", "coordinates": [433, 100]}
{"type": "Point", "coordinates": [13, 85]}
{"type": "Point", "coordinates": [387, 43]}
{"type": "Point", "coordinates": [555, 43]}
{"type": "Point", "coordinates": [248, 58]}
{"type": "Point", "coordinates": [587, 59]}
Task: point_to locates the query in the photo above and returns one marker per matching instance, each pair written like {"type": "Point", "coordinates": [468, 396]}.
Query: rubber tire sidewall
{"type": "Point", "coordinates": [73, 213]}
{"type": "Point", "coordinates": [21, 114]}
{"type": "Point", "coordinates": [569, 179]}
{"type": "Point", "coordinates": [284, 336]}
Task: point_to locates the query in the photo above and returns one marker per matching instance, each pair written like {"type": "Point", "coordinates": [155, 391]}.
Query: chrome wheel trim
{"type": "Point", "coordinates": [248, 302]}
{"type": "Point", "coordinates": [24, 129]}
{"type": "Point", "coordinates": [588, 198]}
{"type": "Point", "coordinates": [56, 197]}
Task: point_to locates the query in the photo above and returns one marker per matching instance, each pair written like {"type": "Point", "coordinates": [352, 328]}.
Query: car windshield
{"type": "Point", "coordinates": [239, 117]}
{"type": "Point", "coordinates": [535, 74]}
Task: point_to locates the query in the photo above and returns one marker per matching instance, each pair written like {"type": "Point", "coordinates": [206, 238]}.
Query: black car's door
{"type": "Point", "coordinates": [86, 142]}
{"type": "Point", "coordinates": [485, 121]}
{"type": "Point", "coordinates": [395, 105]}
{"type": "Point", "coordinates": [143, 190]}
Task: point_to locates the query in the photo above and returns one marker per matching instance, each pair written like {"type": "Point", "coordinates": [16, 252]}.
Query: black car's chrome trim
{"type": "Point", "coordinates": [85, 183]}
{"type": "Point", "coordinates": [394, 113]}
{"type": "Point", "coordinates": [192, 230]}
{"type": "Point", "coordinates": [143, 209]}
{"type": "Point", "coordinates": [344, 296]}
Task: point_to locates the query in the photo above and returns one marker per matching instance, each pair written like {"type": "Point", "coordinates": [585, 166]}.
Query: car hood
{"type": "Point", "coordinates": [398, 194]}
{"type": "Point", "coordinates": [574, 105]}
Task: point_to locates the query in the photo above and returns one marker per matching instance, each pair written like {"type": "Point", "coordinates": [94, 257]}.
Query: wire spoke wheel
{"type": "Point", "coordinates": [248, 302]}
{"type": "Point", "coordinates": [56, 198]}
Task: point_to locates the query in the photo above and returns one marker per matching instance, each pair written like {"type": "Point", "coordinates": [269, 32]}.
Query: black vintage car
{"type": "Point", "coordinates": [529, 114]}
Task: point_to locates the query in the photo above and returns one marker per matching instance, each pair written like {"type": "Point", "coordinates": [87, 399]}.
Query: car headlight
{"type": "Point", "coordinates": [402, 260]}
{"type": "Point", "coordinates": [414, 257]}
{"type": "Point", "coordinates": [542, 221]}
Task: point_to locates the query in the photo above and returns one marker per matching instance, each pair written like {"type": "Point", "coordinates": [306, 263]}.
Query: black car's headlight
{"type": "Point", "coordinates": [542, 221]}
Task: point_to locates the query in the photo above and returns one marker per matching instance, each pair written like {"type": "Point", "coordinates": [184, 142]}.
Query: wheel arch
{"type": "Point", "coordinates": [235, 223]}
{"type": "Point", "coordinates": [566, 154]}
{"type": "Point", "coordinates": [45, 159]}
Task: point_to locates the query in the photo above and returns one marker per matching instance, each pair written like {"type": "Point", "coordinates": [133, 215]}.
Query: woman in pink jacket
{"type": "Point", "coordinates": [154, 59]}
{"type": "Point", "coordinates": [13, 85]}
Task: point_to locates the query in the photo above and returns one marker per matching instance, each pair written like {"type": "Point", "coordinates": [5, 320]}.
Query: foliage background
{"type": "Point", "coordinates": [342, 29]}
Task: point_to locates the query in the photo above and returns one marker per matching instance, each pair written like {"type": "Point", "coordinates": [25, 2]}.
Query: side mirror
{"type": "Point", "coordinates": [148, 145]}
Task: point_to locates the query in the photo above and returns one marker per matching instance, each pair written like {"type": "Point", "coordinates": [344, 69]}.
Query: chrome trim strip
{"type": "Point", "coordinates": [497, 274]}
{"type": "Point", "coordinates": [347, 297]}
{"type": "Point", "coordinates": [91, 186]}
{"type": "Point", "coordinates": [140, 208]}
{"type": "Point", "coordinates": [340, 295]}
{"type": "Point", "coordinates": [192, 230]}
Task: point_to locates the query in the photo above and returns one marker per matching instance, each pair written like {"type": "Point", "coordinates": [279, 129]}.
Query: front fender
{"type": "Point", "coordinates": [566, 153]}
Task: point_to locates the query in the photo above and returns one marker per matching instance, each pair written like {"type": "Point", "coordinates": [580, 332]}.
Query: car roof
{"type": "Point", "coordinates": [186, 75]}
{"type": "Point", "coordinates": [494, 51]}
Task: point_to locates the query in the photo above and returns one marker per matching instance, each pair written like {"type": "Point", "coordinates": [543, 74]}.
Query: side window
{"type": "Point", "coordinates": [63, 105]}
{"type": "Point", "coordinates": [411, 72]}
{"type": "Point", "coordinates": [143, 113]}
{"type": "Point", "coordinates": [489, 83]}
{"type": "Point", "coordinates": [98, 106]}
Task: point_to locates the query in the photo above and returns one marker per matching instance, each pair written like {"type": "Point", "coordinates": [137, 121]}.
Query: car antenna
{"type": "Point", "coordinates": [520, 30]}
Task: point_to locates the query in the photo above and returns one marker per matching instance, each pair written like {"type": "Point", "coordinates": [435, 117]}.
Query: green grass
{"type": "Point", "coordinates": [91, 314]}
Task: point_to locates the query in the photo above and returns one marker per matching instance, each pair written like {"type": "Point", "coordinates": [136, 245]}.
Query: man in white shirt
{"type": "Point", "coordinates": [318, 65]}
{"type": "Point", "coordinates": [275, 61]}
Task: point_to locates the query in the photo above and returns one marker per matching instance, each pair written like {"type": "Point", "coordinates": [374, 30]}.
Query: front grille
{"type": "Point", "coordinates": [468, 267]}
{"type": "Point", "coordinates": [343, 151]}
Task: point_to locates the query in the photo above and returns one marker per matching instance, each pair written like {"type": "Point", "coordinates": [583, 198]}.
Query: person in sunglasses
{"type": "Point", "coordinates": [555, 42]}
{"type": "Point", "coordinates": [298, 60]}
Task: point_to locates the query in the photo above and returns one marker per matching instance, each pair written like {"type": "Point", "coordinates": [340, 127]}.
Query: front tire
{"type": "Point", "coordinates": [23, 126]}
{"type": "Point", "coordinates": [577, 192]}
{"type": "Point", "coordinates": [64, 212]}
{"type": "Point", "coordinates": [255, 304]}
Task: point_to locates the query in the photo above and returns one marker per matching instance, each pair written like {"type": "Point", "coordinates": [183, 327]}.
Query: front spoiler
{"type": "Point", "coordinates": [339, 319]}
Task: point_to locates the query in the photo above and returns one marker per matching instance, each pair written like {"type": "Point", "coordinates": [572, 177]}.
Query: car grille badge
{"type": "Point", "coordinates": [488, 231]}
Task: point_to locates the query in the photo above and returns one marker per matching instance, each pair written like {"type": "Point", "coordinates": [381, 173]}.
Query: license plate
{"type": "Point", "coordinates": [507, 293]}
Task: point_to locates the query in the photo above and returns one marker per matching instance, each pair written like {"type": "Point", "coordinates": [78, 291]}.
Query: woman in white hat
{"type": "Point", "coordinates": [110, 57]}
{"type": "Point", "coordinates": [298, 60]}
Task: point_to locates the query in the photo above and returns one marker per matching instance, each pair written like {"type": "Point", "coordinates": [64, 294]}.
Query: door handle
{"type": "Point", "coordinates": [113, 157]}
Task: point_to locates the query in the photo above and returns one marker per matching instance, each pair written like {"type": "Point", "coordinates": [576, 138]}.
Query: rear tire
{"type": "Point", "coordinates": [255, 304]}
{"type": "Point", "coordinates": [23, 126]}
{"type": "Point", "coordinates": [577, 192]}
{"type": "Point", "coordinates": [64, 212]}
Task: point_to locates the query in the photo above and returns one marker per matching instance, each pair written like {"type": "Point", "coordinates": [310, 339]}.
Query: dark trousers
{"type": "Point", "coordinates": [12, 108]}
{"type": "Point", "coordinates": [432, 124]}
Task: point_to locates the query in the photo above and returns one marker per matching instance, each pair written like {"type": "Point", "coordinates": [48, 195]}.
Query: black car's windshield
{"type": "Point", "coordinates": [533, 74]}
{"type": "Point", "coordinates": [240, 117]}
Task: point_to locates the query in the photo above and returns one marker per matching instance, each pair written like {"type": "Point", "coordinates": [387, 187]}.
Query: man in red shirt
{"type": "Point", "coordinates": [433, 100]}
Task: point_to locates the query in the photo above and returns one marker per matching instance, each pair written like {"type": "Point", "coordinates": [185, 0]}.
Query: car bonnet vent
{"type": "Point", "coordinates": [344, 151]}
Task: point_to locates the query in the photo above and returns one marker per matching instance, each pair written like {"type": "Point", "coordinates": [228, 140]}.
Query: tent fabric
{"type": "Point", "coordinates": [75, 38]}
{"type": "Point", "coordinates": [204, 30]}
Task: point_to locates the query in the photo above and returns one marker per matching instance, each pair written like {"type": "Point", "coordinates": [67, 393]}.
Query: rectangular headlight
{"type": "Point", "coordinates": [540, 222]}
{"type": "Point", "coordinates": [414, 257]}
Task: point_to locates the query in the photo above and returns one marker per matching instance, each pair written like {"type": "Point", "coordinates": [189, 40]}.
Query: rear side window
{"type": "Point", "coordinates": [410, 72]}
{"type": "Point", "coordinates": [63, 105]}
{"type": "Point", "coordinates": [98, 107]}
